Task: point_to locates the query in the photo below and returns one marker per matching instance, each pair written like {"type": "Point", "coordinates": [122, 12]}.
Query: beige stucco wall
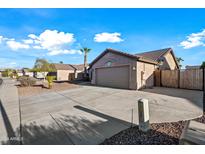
{"type": "Point", "coordinates": [116, 59]}
{"type": "Point", "coordinates": [169, 62]}
{"type": "Point", "coordinates": [145, 75]}
{"type": "Point", "coordinates": [63, 75]}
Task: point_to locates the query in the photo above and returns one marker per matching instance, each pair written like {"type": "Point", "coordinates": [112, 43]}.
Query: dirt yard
{"type": "Point", "coordinates": [41, 88]}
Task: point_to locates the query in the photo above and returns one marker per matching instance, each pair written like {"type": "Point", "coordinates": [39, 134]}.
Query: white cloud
{"type": "Point", "coordinates": [108, 37]}
{"type": "Point", "coordinates": [58, 52]}
{"type": "Point", "coordinates": [194, 40]}
{"type": "Point", "coordinates": [1, 38]}
{"type": "Point", "coordinates": [32, 36]}
{"type": "Point", "coordinates": [28, 41]}
{"type": "Point", "coordinates": [16, 45]}
{"type": "Point", "coordinates": [52, 39]}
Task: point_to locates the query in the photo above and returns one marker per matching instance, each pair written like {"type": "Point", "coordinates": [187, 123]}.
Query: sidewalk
{"type": "Point", "coordinates": [9, 113]}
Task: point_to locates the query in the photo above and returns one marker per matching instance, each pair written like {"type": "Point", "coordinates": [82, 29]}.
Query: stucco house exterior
{"type": "Point", "coordinates": [113, 68]}
{"type": "Point", "coordinates": [79, 71]}
{"type": "Point", "coordinates": [67, 72]}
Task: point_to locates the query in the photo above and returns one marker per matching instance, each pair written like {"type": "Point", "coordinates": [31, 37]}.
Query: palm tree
{"type": "Point", "coordinates": [85, 51]}
{"type": "Point", "coordinates": [179, 60]}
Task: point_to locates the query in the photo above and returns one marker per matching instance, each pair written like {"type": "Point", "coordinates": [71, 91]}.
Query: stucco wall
{"type": "Point", "coordinates": [31, 74]}
{"type": "Point", "coordinates": [145, 75]}
{"type": "Point", "coordinates": [169, 62]}
{"type": "Point", "coordinates": [116, 59]}
{"type": "Point", "coordinates": [63, 75]}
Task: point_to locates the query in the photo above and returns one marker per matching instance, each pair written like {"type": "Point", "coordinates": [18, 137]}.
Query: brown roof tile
{"type": "Point", "coordinates": [144, 59]}
{"type": "Point", "coordinates": [153, 55]}
{"type": "Point", "coordinates": [78, 67]}
{"type": "Point", "coordinates": [63, 66]}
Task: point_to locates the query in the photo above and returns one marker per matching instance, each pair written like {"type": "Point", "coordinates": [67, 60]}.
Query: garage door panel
{"type": "Point", "coordinates": [117, 77]}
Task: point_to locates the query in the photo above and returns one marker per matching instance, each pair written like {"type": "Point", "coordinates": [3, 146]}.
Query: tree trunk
{"type": "Point", "coordinates": [85, 64]}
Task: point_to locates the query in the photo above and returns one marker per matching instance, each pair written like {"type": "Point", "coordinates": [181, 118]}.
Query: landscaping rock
{"type": "Point", "coordinates": [160, 133]}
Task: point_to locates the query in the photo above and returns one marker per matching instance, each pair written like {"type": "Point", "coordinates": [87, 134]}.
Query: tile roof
{"type": "Point", "coordinates": [78, 67]}
{"type": "Point", "coordinates": [63, 66]}
{"type": "Point", "coordinates": [153, 55]}
{"type": "Point", "coordinates": [140, 58]}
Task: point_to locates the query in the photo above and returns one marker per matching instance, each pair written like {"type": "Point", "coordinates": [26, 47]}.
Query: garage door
{"type": "Point", "coordinates": [117, 77]}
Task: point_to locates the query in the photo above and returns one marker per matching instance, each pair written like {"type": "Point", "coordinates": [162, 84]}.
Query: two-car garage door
{"type": "Point", "coordinates": [117, 76]}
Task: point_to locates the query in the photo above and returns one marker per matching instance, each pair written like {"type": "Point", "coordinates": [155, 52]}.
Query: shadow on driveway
{"type": "Point", "coordinates": [8, 127]}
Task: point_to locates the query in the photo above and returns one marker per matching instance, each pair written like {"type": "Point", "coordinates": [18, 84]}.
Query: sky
{"type": "Point", "coordinates": [58, 34]}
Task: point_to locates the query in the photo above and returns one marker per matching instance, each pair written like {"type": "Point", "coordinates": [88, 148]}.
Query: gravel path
{"type": "Point", "coordinates": [163, 133]}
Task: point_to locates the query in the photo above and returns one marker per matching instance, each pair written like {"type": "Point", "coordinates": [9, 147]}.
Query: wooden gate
{"type": "Point", "coordinates": [185, 79]}
{"type": "Point", "coordinates": [169, 78]}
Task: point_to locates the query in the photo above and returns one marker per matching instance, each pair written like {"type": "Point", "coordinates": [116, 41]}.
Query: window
{"type": "Point", "coordinates": [108, 64]}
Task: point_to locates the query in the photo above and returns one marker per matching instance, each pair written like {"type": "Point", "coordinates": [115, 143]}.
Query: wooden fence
{"type": "Point", "coordinates": [185, 79]}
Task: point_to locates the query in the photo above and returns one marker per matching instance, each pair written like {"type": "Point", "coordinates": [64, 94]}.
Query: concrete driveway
{"type": "Point", "coordinates": [89, 115]}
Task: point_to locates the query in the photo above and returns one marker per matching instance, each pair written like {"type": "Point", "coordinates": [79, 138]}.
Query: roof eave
{"type": "Point", "coordinates": [141, 59]}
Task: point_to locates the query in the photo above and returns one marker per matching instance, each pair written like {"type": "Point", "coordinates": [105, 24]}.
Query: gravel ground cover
{"type": "Point", "coordinates": [41, 88]}
{"type": "Point", "coordinates": [159, 134]}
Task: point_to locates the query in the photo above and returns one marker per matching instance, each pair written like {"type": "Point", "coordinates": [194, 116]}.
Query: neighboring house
{"type": "Point", "coordinates": [67, 72]}
{"type": "Point", "coordinates": [1, 73]}
{"type": "Point", "coordinates": [193, 67]}
{"type": "Point", "coordinates": [79, 71]}
{"type": "Point", "coordinates": [118, 69]}
{"type": "Point", "coordinates": [24, 72]}
{"type": "Point", "coordinates": [40, 75]}
{"type": "Point", "coordinates": [27, 72]}
{"type": "Point", "coordinates": [19, 72]}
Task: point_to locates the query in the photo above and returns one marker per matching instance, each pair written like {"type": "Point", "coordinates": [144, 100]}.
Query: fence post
{"type": "Point", "coordinates": [143, 113]}
{"type": "Point", "coordinates": [179, 78]}
{"type": "Point", "coordinates": [204, 89]}
{"type": "Point", "coordinates": [160, 76]}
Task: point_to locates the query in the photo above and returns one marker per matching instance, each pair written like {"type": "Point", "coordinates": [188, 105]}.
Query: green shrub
{"type": "Point", "coordinates": [27, 81]}
{"type": "Point", "coordinates": [50, 81]}
{"type": "Point", "coordinates": [4, 74]}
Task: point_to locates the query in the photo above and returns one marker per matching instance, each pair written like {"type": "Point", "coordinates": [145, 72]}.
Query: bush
{"type": "Point", "coordinates": [27, 81]}
{"type": "Point", "coordinates": [50, 81]}
{"type": "Point", "coordinates": [4, 74]}
{"type": "Point", "coordinates": [1, 81]}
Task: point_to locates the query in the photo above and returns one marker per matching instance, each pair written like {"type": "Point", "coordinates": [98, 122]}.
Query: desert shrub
{"type": "Point", "coordinates": [50, 81]}
{"type": "Point", "coordinates": [4, 74]}
{"type": "Point", "coordinates": [1, 81]}
{"type": "Point", "coordinates": [11, 75]}
{"type": "Point", "coordinates": [27, 81]}
{"type": "Point", "coordinates": [31, 81]}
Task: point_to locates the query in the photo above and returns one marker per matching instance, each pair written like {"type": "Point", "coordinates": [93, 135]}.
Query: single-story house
{"type": "Point", "coordinates": [67, 72]}
{"type": "Point", "coordinates": [27, 72]}
{"type": "Point", "coordinates": [79, 71]}
{"type": "Point", "coordinates": [40, 75]}
{"type": "Point", "coordinates": [19, 72]}
{"type": "Point", "coordinates": [193, 67]}
{"type": "Point", "coordinates": [24, 72]}
{"type": "Point", "coordinates": [113, 68]}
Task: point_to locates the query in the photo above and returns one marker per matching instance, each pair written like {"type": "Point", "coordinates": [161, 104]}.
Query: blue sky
{"type": "Point", "coordinates": [58, 34]}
